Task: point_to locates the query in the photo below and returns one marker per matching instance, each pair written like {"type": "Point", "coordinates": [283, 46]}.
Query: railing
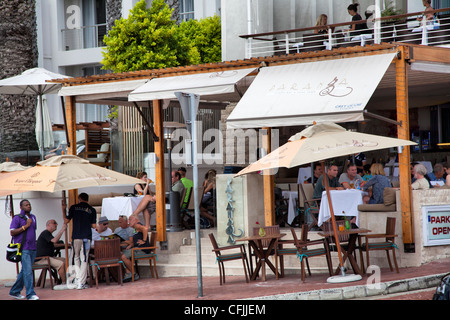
{"type": "Point", "coordinates": [401, 28]}
{"type": "Point", "coordinates": [84, 37]}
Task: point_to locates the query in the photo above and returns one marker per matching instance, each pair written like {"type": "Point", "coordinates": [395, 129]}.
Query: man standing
{"type": "Point", "coordinates": [188, 184]}
{"type": "Point", "coordinates": [46, 247]}
{"type": "Point", "coordinates": [84, 218]}
{"type": "Point", "coordinates": [350, 179]}
{"type": "Point", "coordinates": [331, 174]}
{"type": "Point", "coordinates": [24, 225]}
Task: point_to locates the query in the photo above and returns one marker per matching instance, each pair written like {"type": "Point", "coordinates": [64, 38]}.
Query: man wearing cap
{"type": "Point", "coordinates": [84, 217]}
{"type": "Point", "coordinates": [101, 231]}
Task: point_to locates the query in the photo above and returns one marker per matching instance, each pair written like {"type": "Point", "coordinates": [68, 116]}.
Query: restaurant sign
{"type": "Point", "coordinates": [436, 225]}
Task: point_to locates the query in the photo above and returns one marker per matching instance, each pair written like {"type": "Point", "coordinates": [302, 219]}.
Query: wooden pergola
{"type": "Point", "coordinates": [392, 91]}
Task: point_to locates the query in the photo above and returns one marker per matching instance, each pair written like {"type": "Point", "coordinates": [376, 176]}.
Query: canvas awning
{"type": "Point", "coordinates": [210, 86]}
{"type": "Point", "coordinates": [299, 94]}
{"type": "Point", "coordinates": [108, 93]}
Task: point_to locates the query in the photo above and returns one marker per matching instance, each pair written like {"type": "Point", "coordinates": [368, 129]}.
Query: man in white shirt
{"type": "Point", "coordinates": [102, 230]}
{"type": "Point", "coordinates": [349, 180]}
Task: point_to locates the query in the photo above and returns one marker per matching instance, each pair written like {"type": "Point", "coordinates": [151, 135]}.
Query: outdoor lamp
{"type": "Point", "coordinates": [168, 129]}
{"type": "Point", "coordinates": [173, 220]}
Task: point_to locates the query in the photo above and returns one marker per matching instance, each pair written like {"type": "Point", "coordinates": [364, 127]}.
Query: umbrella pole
{"type": "Point", "coordinates": [343, 277]}
{"type": "Point", "coordinates": [42, 124]}
{"type": "Point", "coordinates": [66, 237]}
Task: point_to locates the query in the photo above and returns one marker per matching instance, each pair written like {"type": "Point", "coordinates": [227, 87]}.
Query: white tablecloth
{"type": "Point", "coordinates": [303, 174]}
{"type": "Point", "coordinates": [292, 197]}
{"type": "Point", "coordinates": [114, 207]}
{"type": "Point", "coordinates": [343, 201]}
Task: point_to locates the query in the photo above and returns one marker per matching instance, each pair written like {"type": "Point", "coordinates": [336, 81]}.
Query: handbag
{"type": "Point", "coordinates": [14, 250]}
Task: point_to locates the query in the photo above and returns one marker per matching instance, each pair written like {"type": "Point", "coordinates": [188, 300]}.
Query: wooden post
{"type": "Point", "coordinates": [71, 150]}
{"type": "Point", "coordinates": [159, 172]}
{"type": "Point", "coordinates": [404, 157]}
{"type": "Point", "coordinates": [268, 178]}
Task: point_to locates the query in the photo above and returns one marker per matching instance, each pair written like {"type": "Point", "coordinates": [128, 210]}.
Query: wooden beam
{"type": "Point", "coordinates": [72, 150]}
{"type": "Point", "coordinates": [404, 157]}
{"type": "Point", "coordinates": [268, 179]}
{"type": "Point", "coordinates": [159, 172]}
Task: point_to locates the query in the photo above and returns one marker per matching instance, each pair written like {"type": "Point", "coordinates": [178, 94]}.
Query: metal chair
{"type": "Point", "coordinates": [387, 245]}
{"type": "Point", "coordinates": [145, 253]}
{"type": "Point", "coordinates": [221, 258]}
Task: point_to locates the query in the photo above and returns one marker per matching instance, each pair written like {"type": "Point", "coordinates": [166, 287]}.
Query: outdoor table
{"type": "Point", "coordinates": [256, 242]}
{"type": "Point", "coordinates": [114, 207]}
{"type": "Point", "coordinates": [353, 235]}
{"type": "Point", "coordinates": [292, 197]}
{"type": "Point", "coordinates": [345, 203]}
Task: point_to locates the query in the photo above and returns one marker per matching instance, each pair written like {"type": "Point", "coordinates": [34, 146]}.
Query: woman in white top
{"type": "Point", "coordinates": [421, 183]}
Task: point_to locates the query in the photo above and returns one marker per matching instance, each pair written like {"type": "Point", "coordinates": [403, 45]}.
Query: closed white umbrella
{"type": "Point", "coordinates": [44, 132]}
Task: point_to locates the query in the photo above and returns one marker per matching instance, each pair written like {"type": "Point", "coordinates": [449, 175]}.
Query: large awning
{"type": "Point", "coordinates": [298, 94]}
{"type": "Point", "coordinates": [210, 86]}
{"type": "Point", "coordinates": [108, 93]}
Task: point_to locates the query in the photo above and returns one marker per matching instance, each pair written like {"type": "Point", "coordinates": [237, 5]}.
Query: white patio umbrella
{"type": "Point", "coordinates": [33, 82]}
{"type": "Point", "coordinates": [317, 143]}
{"type": "Point", "coordinates": [44, 131]}
{"type": "Point", "coordinates": [61, 173]}
{"type": "Point", "coordinates": [7, 169]}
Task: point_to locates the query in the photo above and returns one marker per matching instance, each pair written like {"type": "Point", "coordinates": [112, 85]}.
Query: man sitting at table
{"type": "Point", "coordinates": [139, 239]}
{"type": "Point", "coordinates": [124, 231]}
{"type": "Point", "coordinates": [438, 176]}
{"type": "Point", "coordinates": [351, 178]}
{"type": "Point", "coordinates": [102, 230]}
{"type": "Point", "coordinates": [317, 173]}
{"type": "Point", "coordinates": [46, 247]}
{"type": "Point", "coordinates": [333, 182]}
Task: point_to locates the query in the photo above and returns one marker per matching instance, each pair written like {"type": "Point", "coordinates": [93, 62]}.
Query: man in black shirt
{"type": "Point", "coordinates": [46, 247]}
{"type": "Point", "coordinates": [84, 218]}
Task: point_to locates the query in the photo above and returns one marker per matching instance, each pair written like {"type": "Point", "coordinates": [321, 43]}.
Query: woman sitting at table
{"type": "Point", "coordinates": [322, 21]}
{"type": "Point", "coordinates": [142, 188]}
{"type": "Point", "coordinates": [378, 182]}
{"type": "Point", "coordinates": [139, 239]}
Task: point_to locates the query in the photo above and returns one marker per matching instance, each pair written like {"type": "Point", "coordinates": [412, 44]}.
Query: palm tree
{"type": "Point", "coordinates": [18, 52]}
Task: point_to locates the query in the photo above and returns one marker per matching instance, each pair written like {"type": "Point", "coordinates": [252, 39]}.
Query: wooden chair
{"type": "Point", "coordinates": [343, 239]}
{"type": "Point", "coordinates": [221, 258]}
{"type": "Point", "coordinates": [148, 254]}
{"type": "Point", "coordinates": [302, 249]}
{"type": "Point", "coordinates": [311, 207]}
{"type": "Point", "coordinates": [102, 157]}
{"type": "Point", "coordinates": [269, 230]}
{"type": "Point", "coordinates": [387, 245]}
{"type": "Point", "coordinates": [107, 254]}
{"type": "Point", "coordinates": [45, 267]}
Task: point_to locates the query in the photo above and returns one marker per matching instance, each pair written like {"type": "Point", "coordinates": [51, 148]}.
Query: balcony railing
{"type": "Point", "coordinates": [401, 28]}
{"type": "Point", "coordinates": [84, 37]}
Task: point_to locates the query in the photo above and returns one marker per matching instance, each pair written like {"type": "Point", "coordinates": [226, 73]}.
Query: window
{"type": "Point", "coordinates": [186, 10]}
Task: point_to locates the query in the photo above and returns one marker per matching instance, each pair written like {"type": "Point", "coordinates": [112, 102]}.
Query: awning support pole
{"type": "Point", "coordinates": [376, 116]}
{"type": "Point", "coordinates": [159, 173]}
{"type": "Point", "coordinates": [404, 157]}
